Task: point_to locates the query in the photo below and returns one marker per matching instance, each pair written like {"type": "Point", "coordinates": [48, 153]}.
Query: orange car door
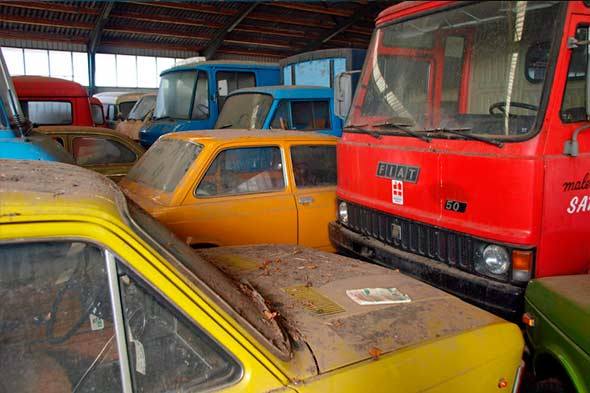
{"type": "Point", "coordinates": [243, 198]}
{"type": "Point", "coordinates": [314, 173]}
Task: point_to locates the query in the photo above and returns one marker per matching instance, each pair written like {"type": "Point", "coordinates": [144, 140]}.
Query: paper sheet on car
{"type": "Point", "coordinates": [369, 296]}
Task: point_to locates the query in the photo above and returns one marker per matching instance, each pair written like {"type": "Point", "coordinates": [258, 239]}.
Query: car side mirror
{"type": "Point", "coordinates": [343, 93]}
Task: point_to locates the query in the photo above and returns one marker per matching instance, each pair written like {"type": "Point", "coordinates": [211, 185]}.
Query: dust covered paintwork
{"type": "Point", "coordinates": [280, 341]}
{"type": "Point", "coordinates": [560, 308]}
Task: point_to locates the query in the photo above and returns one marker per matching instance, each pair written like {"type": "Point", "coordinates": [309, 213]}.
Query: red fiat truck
{"type": "Point", "coordinates": [465, 160]}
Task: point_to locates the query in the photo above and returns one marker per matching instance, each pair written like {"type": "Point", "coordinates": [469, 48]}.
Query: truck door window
{"type": "Point", "coordinates": [234, 80]}
{"type": "Point", "coordinates": [310, 115]}
{"type": "Point", "coordinates": [97, 114]}
{"type": "Point", "coordinates": [244, 171]}
{"type": "Point", "coordinates": [573, 106]}
{"type": "Point", "coordinates": [167, 352]}
{"type": "Point", "coordinates": [314, 165]}
{"type": "Point", "coordinates": [100, 151]}
{"type": "Point", "coordinates": [454, 48]}
{"type": "Point", "coordinates": [57, 329]}
{"type": "Point", "coordinates": [201, 100]}
{"type": "Point", "coordinates": [48, 112]}
{"type": "Point", "coordinates": [282, 119]}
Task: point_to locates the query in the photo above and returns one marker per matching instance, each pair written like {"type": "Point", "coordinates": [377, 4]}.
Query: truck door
{"type": "Point", "coordinates": [228, 81]}
{"type": "Point", "coordinates": [566, 205]}
{"type": "Point", "coordinates": [314, 175]}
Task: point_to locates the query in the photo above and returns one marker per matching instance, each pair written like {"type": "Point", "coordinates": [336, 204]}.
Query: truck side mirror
{"type": "Point", "coordinates": [343, 93]}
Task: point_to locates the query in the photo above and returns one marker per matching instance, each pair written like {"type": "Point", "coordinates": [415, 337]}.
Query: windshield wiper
{"type": "Point", "coordinates": [228, 125]}
{"type": "Point", "coordinates": [164, 118]}
{"type": "Point", "coordinates": [401, 127]}
{"type": "Point", "coordinates": [462, 133]}
{"type": "Point", "coordinates": [360, 129]}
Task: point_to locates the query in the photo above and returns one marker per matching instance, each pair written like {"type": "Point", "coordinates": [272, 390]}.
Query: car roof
{"type": "Point", "coordinates": [113, 97]}
{"type": "Point", "coordinates": [233, 63]}
{"type": "Point", "coordinates": [79, 129]}
{"type": "Point", "coordinates": [222, 136]}
{"type": "Point", "coordinates": [44, 86]}
{"type": "Point", "coordinates": [286, 92]}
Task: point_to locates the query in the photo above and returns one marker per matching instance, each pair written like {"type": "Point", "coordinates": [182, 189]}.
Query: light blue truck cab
{"type": "Point", "coordinates": [304, 108]}
{"type": "Point", "coordinates": [320, 67]}
{"type": "Point", "coordinates": [16, 139]}
{"type": "Point", "coordinates": [191, 96]}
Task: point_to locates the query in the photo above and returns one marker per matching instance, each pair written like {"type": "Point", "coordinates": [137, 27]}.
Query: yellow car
{"type": "Point", "coordinates": [100, 149]}
{"type": "Point", "coordinates": [232, 187]}
{"type": "Point", "coordinates": [97, 296]}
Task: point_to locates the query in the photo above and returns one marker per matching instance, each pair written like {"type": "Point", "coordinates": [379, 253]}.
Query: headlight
{"type": "Point", "coordinates": [495, 259]}
{"type": "Point", "coordinates": [343, 212]}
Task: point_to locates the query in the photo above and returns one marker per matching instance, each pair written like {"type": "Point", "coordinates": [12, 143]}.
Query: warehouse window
{"type": "Point", "coordinates": [58, 64]}
{"type": "Point", "coordinates": [131, 71]}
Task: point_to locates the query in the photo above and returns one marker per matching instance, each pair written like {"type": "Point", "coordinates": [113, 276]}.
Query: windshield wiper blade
{"type": "Point", "coordinates": [462, 132]}
{"type": "Point", "coordinates": [164, 118]}
{"type": "Point", "coordinates": [360, 129]}
{"type": "Point", "coordinates": [402, 127]}
{"type": "Point", "coordinates": [228, 125]}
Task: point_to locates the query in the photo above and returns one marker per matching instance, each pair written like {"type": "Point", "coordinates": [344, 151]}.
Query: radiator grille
{"type": "Point", "coordinates": [445, 246]}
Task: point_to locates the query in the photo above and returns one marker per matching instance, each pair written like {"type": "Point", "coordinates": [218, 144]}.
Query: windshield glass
{"type": "Point", "coordinates": [142, 107]}
{"type": "Point", "coordinates": [244, 111]}
{"type": "Point", "coordinates": [164, 164]}
{"type": "Point", "coordinates": [175, 95]}
{"type": "Point", "coordinates": [10, 110]}
{"type": "Point", "coordinates": [461, 68]}
{"type": "Point", "coordinates": [97, 114]}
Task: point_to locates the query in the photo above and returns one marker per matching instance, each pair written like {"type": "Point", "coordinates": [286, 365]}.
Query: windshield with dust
{"type": "Point", "coordinates": [464, 68]}
{"type": "Point", "coordinates": [244, 111]}
{"type": "Point", "coordinates": [175, 95]}
{"type": "Point", "coordinates": [142, 107]}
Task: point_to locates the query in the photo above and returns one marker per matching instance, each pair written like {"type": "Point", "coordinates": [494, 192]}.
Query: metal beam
{"type": "Point", "coordinates": [180, 21]}
{"type": "Point", "coordinates": [150, 45]}
{"type": "Point", "coordinates": [159, 32]}
{"type": "Point", "coordinates": [46, 22]}
{"type": "Point", "coordinates": [94, 41]}
{"type": "Point", "coordinates": [216, 42]}
{"type": "Point", "coordinates": [198, 7]}
{"type": "Point", "coordinates": [55, 7]}
{"type": "Point", "coordinates": [249, 53]}
{"type": "Point", "coordinates": [316, 9]}
{"type": "Point", "coordinates": [360, 13]}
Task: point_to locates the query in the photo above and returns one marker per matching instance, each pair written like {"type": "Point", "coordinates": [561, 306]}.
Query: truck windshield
{"type": "Point", "coordinates": [463, 68]}
{"type": "Point", "coordinates": [244, 111]}
{"type": "Point", "coordinates": [142, 107]}
{"type": "Point", "coordinates": [165, 164]}
{"type": "Point", "coordinates": [175, 95]}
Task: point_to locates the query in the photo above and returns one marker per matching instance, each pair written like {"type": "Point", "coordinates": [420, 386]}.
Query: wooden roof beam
{"type": "Point", "coordinates": [216, 42]}
{"type": "Point", "coordinates": [198, 7]}
{"type": "Point", "coordinates": [158, 32]}
{"type": "Point", "coordinates": [42, 37]}
{"type": "Point", "coordinates": [51, 6]}
{"type": "Point", "coordinates": [316, 9]}
{"type": "Point", "coordinates": [47, 22]}
{"type": "Point", "coordinates": [149, 45]}
{"type": "Point", "coordinates": [165, 19]}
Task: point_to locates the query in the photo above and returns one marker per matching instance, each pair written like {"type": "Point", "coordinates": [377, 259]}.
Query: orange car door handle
{"type": "Point", "coordinates": [305, 200]}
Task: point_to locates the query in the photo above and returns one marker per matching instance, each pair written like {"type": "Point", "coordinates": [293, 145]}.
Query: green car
{"type": "Point", "coordinates": [557, 319]}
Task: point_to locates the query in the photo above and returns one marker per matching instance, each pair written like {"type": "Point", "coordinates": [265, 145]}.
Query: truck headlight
{"type": "Point", "coordinates": [494, 259]}
{"type": "Point", "coordinates": [343, 212]}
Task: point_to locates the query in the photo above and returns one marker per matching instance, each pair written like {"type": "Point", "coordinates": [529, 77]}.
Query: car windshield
{"type": "Point", "coordinates": [462, 68]}
{"type": "Point", "coordinates": [175, 95]}
{"type": "Point", "coordinates": [125, 108]}
{"type": "Point", "coordinates": [10, 109]}
{"type": "Point", "coordinates": [244, 111]}
{"type": "Point", "coordinates": [165, 164]}
{"type": "Point", "coordinates": [142, 107]}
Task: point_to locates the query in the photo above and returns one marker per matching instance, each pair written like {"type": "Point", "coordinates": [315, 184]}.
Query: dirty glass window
{"type": "Point", "coordinates": [478, 52]}
{"type": "Point", "coordinates": [310, 115]}
{"type": "Point", "coordinates": [97, 114]}
{"type": "Point", "coordinates": [573, 106]}
{"type": "Point", "coordinates": [244, 111]}
{"type": "Point", "coordinates": [100, 151]}
{"type": "Point", "coordinates": [201, 103]}
{"type": "Point", "coordinates": [228, 81]}
{"type": "Point", "coordinates": [142, 107]}
{"type": "Point", "coordinates": [165, 164]}
{"type": "Point", "coordinates": [167, 352]}
{"type": "Point", "coordinates": [175, 95]}
{"type": "Point", "coordinates": [56, 326]}
{"type": "Point", "coordinates": [314, 166]}
{"type": "Point", "coordinates": [281, 119]}
{"type": "Point", "coordinates": [125, 108]}
{"type": "Point", "coordinates": [242, 171]}
{"type": "Point", "coordinates": [48, 112]}
{"type": "Point", "coordinates": [313, 73]}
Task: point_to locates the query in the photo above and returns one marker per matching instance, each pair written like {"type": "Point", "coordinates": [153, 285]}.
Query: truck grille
{"type": "Point", "coordinates": [451, 248]}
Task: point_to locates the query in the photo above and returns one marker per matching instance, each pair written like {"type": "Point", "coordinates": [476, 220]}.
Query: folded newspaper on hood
{"type": "Point", "coordinates": [372, 296]}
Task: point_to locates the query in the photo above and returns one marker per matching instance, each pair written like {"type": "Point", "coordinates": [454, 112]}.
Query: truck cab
{"type": "Point", "coordinates": [302, 108]}
{"type": "Point", "coordinates": [191, 96]}
{"type": "Point", "coordinates": [464, 160]}
{"type": "Point", "coordinates": [16, 139]}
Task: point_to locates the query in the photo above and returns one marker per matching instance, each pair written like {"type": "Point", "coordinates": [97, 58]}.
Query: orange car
{"type": "Point", "coordinates": [231, 187]}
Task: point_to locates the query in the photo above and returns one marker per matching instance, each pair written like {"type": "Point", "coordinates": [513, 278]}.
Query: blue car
{"type": "Point", "coordinates": [303, 108]}
{"type": "Point", "coordinates": [191, 96]}
{"type": "Point", "coordinates": [16, 139]}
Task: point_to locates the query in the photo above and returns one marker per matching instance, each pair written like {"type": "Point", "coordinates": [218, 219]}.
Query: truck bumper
{"type": "Point", "coordinates": [500, 298]}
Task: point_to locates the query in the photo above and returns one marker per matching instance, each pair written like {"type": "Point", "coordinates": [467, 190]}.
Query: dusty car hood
{"type": "Point", "coordinates": [307, 289]}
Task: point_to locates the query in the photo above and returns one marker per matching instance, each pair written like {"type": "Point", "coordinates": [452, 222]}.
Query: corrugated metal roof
{"type": "Point", "coordinates": [270, 31]}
